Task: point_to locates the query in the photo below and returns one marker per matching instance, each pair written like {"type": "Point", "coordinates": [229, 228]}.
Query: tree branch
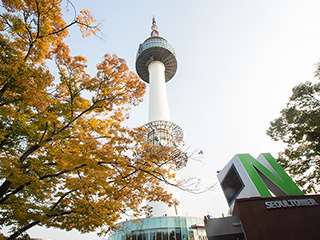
{"type": "Point", "coordinates": [30, 225]}
{"type": "Point", "coordinates": [37, 146]}
{"type": "Point", "coordinates": [25, 228]}
{"type": "Point", "coordinates": [4, 187]}
{"type": "Point", "coordinates": [62, 197]}
{"type": "Point", "coordinates": [21, 187]}
{"type": "Point", "coordinates": [44, 133]}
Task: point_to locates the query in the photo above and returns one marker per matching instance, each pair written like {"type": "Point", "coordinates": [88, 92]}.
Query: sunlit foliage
{"type": "Point", "coordinates": [66, 160]}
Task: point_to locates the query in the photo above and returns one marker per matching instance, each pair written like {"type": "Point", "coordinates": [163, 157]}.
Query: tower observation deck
{"type": "Point", "coordinates": [156, 48]}
{"type": "Point", "coordinates": [156, 64]}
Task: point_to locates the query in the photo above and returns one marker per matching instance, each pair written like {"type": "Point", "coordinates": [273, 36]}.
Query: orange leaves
{"type": "Point", "coordinates": [118, 83]}
{"type": "Point", "coordinates": [70, 153]}
{"type": "Point", "coordinates": [13, 6]}
{"type": "Point", "coordinates": [65, 155]}
{"type": "Point", "coordinates": [36, 27]}
{"type": "Point", "coordinates": [85, 21]}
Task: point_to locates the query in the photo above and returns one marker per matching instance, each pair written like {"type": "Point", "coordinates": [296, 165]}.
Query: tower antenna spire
{"type": "Point", "coordinates": [154, 28]}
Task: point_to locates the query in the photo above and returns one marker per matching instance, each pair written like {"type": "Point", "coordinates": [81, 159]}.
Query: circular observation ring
{"type": "Point", "coordinates": [176, 133]}
{"type": "Point", "coordinates": [168, 134]}
{"type": "Point", "coordinates": [156, 49]}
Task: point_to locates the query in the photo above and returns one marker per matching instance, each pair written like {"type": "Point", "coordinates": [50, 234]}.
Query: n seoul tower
{"type": "Point", "coordinates": [156, 64]}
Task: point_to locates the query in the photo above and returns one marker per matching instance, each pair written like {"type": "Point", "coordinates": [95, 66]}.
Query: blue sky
{"type": "Point", "coordinates": [237, 63]}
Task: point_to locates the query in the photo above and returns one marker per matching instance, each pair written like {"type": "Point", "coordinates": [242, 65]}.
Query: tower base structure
{"type": "Point", "coordinates": [161, 228]}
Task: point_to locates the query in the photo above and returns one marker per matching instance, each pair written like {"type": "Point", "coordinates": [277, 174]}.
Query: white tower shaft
{"type": "Point", "coordinates": [156, 64]}
{"type": "Point", "coordinates": [162, 209]}
{"type": "Point", "coordinates": [158, 103]}
{"type": "Point", "coordinates": [159, 110]}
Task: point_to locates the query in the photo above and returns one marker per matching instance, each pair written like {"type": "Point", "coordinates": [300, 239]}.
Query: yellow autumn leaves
{"type": "Point", "coordinates": [66, 160]}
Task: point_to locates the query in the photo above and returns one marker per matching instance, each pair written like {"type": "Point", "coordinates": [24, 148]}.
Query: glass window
{"type": "Point", "coordinates": [164, 233]}
{"type": "Point", "coordinates": [183, 222]}
{"type": "Point", "coordinates": [184, 233]}
{"type": "Point", "coordinates": [139, 225]}
{"type": "Point", "coordinates": [190, 221]}
{"type": "Point", "coordinates": [134, 235]}
{"type": "Point", "coordinates": [178, 233]}
{"type": "Point", "coordinates": [157, 228]}
{"type": "Point", "coordinates": [159, 234]}
{"type": "Point", "coordinates": [146, 234]}
{"type": "Point", "coordinates": [177, 222]}
{"type": "Point", "coordinates": [164, 221]}
{"type": "Point", "coordinates": [150, 223]}
{"type": "Point", "coordinates": [172, 235]}
{"type": "Point", "coordinates": [133, 225]}
{"type": "Point", "coordinates": [142, 235]}
{"type": "Point", "coordinates": [152, 235]}
{"type": "Point", "coordinates": [157, 222]}
{"type": "Point", "coordinates": [139, 235]}
{"type": "Point", "coordinates": [170, 221]}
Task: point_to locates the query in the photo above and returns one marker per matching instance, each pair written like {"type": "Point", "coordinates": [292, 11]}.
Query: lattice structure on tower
{"type": "Point", "coordinates": [167, 134]}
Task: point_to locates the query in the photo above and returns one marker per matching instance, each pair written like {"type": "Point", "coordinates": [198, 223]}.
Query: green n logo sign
{"type": "Point", "coordinates": [245, 176]}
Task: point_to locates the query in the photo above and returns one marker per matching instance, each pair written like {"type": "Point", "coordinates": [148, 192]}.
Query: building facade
{"type": "Point", "coordinates": [161, 228]}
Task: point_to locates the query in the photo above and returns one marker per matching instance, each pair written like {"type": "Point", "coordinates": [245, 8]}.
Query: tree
{"type": "Point", "coordinates": [66, 159]}
{"type": "Point", "coordinates": [299, 128]}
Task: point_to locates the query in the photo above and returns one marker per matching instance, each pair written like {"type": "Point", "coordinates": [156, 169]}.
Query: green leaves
{"type": "Point", "coordinates": [299, 127]}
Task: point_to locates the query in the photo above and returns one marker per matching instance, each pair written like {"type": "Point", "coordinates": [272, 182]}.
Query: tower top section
{"type": "Point", "coordinates": [156, 48]}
